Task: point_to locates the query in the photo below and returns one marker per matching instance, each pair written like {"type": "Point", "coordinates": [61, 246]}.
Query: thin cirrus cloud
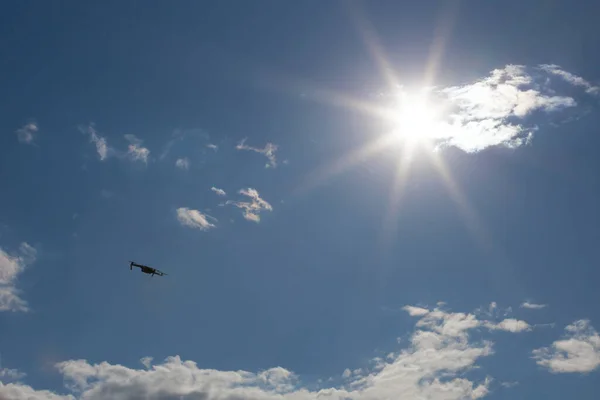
{"type": "Point", "coordinates": [135, 150]}
{"type": "Point", "coordinates": [11, 266]}
{"type": "Point", "coordinates": [498, 110]}
{"type": "Point", "coordinates": [434, 364]}
{"type": "Point", "coordinates": [533, 306]}
{"type": "Point", "coordinates": [26, 134]}
{"type": "Point", "coordinates": [268, 151]}
{"type": "Point", "coordinates": [194, 219]}
{"type": "Point", "coordinates": [253, 206]}
{"type": "Point", "coordinates": [99, 141]}
{"type": "Point", "coordinates": [578, 352]}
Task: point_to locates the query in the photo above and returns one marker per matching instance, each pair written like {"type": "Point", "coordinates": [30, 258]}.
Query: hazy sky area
{"type": "Point", "coordinates": [352, 200]}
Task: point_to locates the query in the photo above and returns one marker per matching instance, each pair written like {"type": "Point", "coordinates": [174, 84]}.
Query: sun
{"type": "Point", "coordinates": [415, 120]}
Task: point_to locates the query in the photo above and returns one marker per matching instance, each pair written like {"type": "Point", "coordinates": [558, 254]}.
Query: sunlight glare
{"type": "Point", "coordinates": [416, 121]}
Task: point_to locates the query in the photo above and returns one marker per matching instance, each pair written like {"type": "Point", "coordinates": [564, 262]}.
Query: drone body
{"type": "Point", "coordinates": [146, 269]}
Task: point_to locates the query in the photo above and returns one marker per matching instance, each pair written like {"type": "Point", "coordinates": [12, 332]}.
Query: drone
{"type": "Point", "coordinates": [146, 269]}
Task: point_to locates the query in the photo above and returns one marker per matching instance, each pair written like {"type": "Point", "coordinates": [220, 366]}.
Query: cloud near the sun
{"type": "Point", "coordinates": [500, 109]}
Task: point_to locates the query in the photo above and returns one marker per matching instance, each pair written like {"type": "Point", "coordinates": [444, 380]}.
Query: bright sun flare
{"type": "Point", "coordinates": [415, 122]}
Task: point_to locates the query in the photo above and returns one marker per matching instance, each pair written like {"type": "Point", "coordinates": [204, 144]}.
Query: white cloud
{"type": "Point", "coordinates": [268, 151]}
{"type": "Point", "coordinates": [510, 325]}
{"type": "Point", "coordinates": [571, 78]}
{"type": "Point", "coordinates": [25, 134]}
{"type": "Point", "coordinates": [433, 366]}
{"type": "Point", "coordinates": [496, 110]}
{"type": "Point", "coordinates": [10, 268]}
{"type": "Point", "coordinates": [218, 191]}
{"type": "Point", "coordinates": [135, 150]}
{"type": "Point", "coordinates": [7, 374]}
{"type": "Point", "coordinates": [194, 219]}
{"type": "Point", "coordinates": [415, 311]}
{"type": "Point", "coordinates": [100, 142]}
{"type": "Point", "coordinates": [532, 306]}
{"type": "Point", "coordinates": [183, 163]}
{"type": "Point", "coordinates": [579, 351]}
{"type": "Point", "coordinates": [212, 146]}
{"type": "Point", "coordinates": [253, 207]}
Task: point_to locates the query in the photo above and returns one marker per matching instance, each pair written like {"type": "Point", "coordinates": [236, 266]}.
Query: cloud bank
{"type": "Point", "coordinates": [11, 266]}
{"type": "Point", "coordinates": [434, 365]}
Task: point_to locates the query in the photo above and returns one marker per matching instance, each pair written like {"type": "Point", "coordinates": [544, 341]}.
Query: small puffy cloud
{"type": "Point", "coordinates": [183, 163]}
{"type": "Point", "coordinates": [218, 191]}
{"type": "Point", "coordinates": [268, 151]}
{"type": "Point", "coordinates": [100, 141]}
{"type": "Point", "coordinates": [194, 219]}
{"type": "Point", "coordinates": [26, 134]}
{"type": "Point", "coordinates": [135, 150]}
{"type": "Point", "coordinates": [415, 311]}
{"type": "Point", "coordinates": [253, 207]}
{"type": "Point", "coordinates": [532, 306]}
{"type": "Point", "coordinates": [510, 325]}
{"type": "Point", "coordinates": [212, 146]}
{"type": "Point", "coordinates": [433, 365]}
{"type": "Point", "coordinates": [10, 267]}
{"type": "Point", "coordinates": [579, 351]}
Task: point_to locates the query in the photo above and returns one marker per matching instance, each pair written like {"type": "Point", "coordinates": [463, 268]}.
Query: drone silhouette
{"type": "Point", "coordinates": [146, 269]}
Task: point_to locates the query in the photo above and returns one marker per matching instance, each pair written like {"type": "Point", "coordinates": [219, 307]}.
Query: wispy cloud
{"type": "Point", "coordinates": [26, 134]}
{"type": "Point", "coordinates": [498, 110]}
{"type": "Point", "coordinates": [9, 375]}
{"type": "Point", "coordinates": [194, 219]}
{"type": "Point", "coordinates": [532, 306]}
{"type": "Point", "coordinates": [579, 351]}
{"type": "Point", "coordinates": [268, 151]}
{"type": "Point", "coordinates": [135, 150]}
{"type": "Point", "coordinates": [212, 146]}
{"type": "Point", "coordinates": [183, 163]}
{"type": "Point", "coordinates": [434, 365]}
{"type": "Point", "coordinates": [10, 267]}
{"type": "Point", "coordinates": [253, 207]}
{"type": "Point", "coordinates": [179, 135]}
{"type": "Point", "coordinates": [100, 141]}
{"type": "Point", "coordinates": [571, 78]}
{"type": "Point", "coordinates": [218, 191]}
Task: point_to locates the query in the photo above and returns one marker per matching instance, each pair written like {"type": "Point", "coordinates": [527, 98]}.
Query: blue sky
{"type": "Point", "coordinates": [352, 200]}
